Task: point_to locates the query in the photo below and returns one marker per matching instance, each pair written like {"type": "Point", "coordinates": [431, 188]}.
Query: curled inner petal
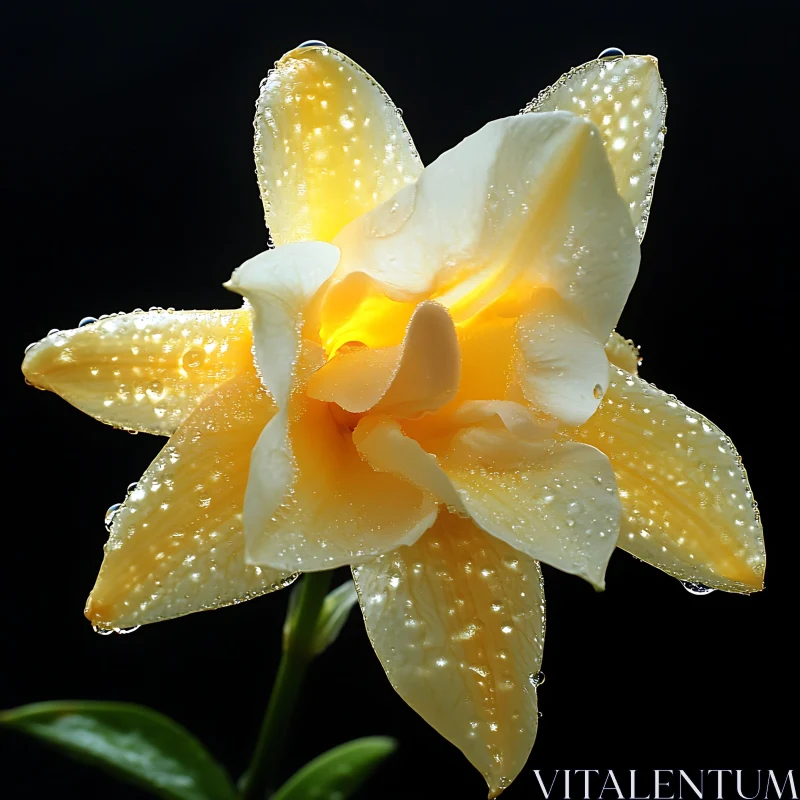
{"type": "Point", "coordinates": [420, 375]}
{"type": "Point", "coordinates": [312, 501]}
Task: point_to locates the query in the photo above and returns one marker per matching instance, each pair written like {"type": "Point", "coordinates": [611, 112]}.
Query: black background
{"type": "Point", "coordinates": [130, 182]}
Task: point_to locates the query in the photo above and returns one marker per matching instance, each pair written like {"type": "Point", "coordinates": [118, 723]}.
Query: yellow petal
{"type": "Point", "coordinates": [419, 375]}
{"type": "Point", "coordinates": [336, 509]}
{"type": "Point", "coordinates": [687, 505]}
{"type": "Point", "coordinates": [329, 145]}
{"type": "Point", "coordinates": [625, 98]}
{"type": "Point", "coordinates": [457, 621]}
{"type": "Point", "coordinates": [526, 200]}
{"type": "Point", "coordinates": [144, 371]}
{"type": "Point", "coordinates": [623, 353]}
{"type": "Point", "coordinates": [177, 545]}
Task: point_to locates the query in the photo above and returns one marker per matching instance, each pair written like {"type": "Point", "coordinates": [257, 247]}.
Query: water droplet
{"type": "Point", "coordinates": [102, 631]}
{"type": "Point", "coordinates": [31, 345]}
{"type": "Point", "coordinates": [111, 513]}
{"type": "Point", "coordinates": [124, 631]}
{"type": "Point", "coordinates": [597, 391]}
{"type": "Point", "coordinates": [537, 679]}
{"type": "Point", "coordinates": [131, 487]}
{"type": "Point", "coordinates": [697, 588]}
{"type": "Point", "coordinates": [154, 390]}
{"type": "Point", "coordinates": [312, 43]}
{"type": "Point", "coordinates": [611, 54]}
{"type": "Point", "coordinates": [87, 321]}
{"type": "Point", "coordinates": [192, 359]}
{"type": "Point", "coordinates": [574, 508]}
{"type": "Point", "coordinates": [53, 331]}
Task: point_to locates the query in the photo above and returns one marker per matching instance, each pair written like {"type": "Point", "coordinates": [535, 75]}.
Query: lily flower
{"type": "Point", "coordinates": [425, 384]}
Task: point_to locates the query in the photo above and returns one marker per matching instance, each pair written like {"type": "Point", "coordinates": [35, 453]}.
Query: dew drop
{"type": "Point", "coordinates": [597, 391]}
{"type": "Point", "coordinates": [53, 331]}
{"type": "Point", "coordinates": [192, 359]}
{"type": "Point", "coordinates": [111, 513]}
{"type": "Point", "coordinates": [87, 321]}
{"type": "Point", "coordinates": [154, 390]}
{"type": "Point", "coordinates": [131, 487]}
{"type": "Point", "coordinates": [611, 54]}
{"type": "Point", "coordinates": [31, 346]}
{"type": "Point", "coordinates": [125, 631]}
{"type": "Point", "coordinates": [574, 508]}
{"type": "Point", "coordinates": [102, 631]}
{"type": "Point", "coordinates": [697, 588]}
{"type": "Point", "coordinates": [537, 679]}
{"type": "Point", "coordinates": [312, 43]}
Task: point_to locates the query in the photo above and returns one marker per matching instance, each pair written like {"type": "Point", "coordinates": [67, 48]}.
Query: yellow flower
{"type": "Point", "coordinates": [425, 385]}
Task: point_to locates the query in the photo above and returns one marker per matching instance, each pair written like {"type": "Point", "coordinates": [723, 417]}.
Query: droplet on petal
{"type": "Point", "coordinates": [697, 588]}
{"type": "Point", "coordinates": [611, 54]}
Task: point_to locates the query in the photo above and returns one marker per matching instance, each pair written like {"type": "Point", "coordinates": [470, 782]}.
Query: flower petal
{"type": "Point", "coordinates": [312, 502]}
{"type": "Point", "coordinates": [625, 98]}
{"type": "Point", "coordinates": [623, 353]}
{"type": "Point", "coordinates": [563, 368]}
{"type": "Point", "coordinates": [382, 443]}
{"type": "Point", "coordinates": [555, 502]}
{"type": "Point", "coordinates": [419, 375]}
{"type": "Point", "coordinates": [176, 545]}
{"type": "Point", "coordinates": [329, 145]}
{"type": "Point", "coordinates": [527, 200]}
{"type": "Point", "coordinates": [280, 284]}
{"type": "Point", "coordinates": [687, 506]}
{"type": "Point", "coordinates": [457, 621]}
{"type": "Point", "coordinates": [144, 371]}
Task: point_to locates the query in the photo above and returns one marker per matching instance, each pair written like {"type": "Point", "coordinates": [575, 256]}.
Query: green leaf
{"type": "Point", "coordinates": [335, 775]}
{"type": "Point", "coordinates": [332, 617]}
{"type": "Point", "coordinates": [130, 742]}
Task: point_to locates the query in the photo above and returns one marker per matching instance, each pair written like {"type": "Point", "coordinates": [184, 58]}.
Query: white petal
{"type": "Point", "coordinates": [563, 368]}
{"type": "Point", "coordinates": [529, 198]}
{"type": "Point", "coordinates": [517, 419]}
{"type": "Point", "coordinates": [279, 285]}
{"type": "Point", "coordinates": [558, 503]}
{"type": "Point", "coordinates": [313, 502]}
{"type": "Point", "coordinates": [555, 502]}
{"type": "Point", "coordinates": [383, 445]}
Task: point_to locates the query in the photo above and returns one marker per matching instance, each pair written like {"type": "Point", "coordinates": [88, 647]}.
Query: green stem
{"type": "Point", "coordinates": [262, 774]}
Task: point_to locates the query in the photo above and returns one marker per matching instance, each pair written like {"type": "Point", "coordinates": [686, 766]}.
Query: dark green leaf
{"type": "Point", "coordinates": [339, 772]}
{"type": "Point", "coordinates": [131, 742]}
